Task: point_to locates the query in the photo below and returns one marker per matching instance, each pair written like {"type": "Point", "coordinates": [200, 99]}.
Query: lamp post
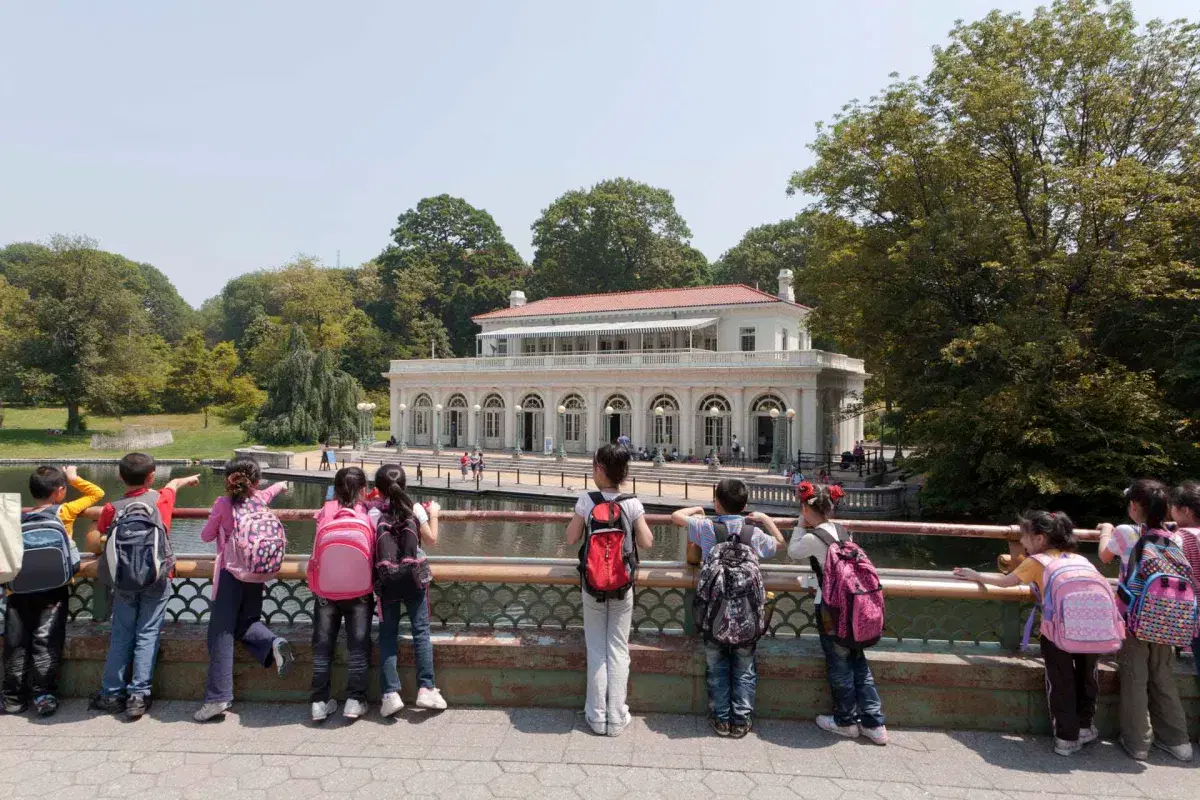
{"type": "Point", "coordinates": [774, 465]}
{"type": "Point", "coordinates": [658, 444]}
{"type": "Point", "coordinates": [478, 431]}
{"type": "Point", "coordinates": [791, 418]}
{"type": "Point", "coordinates": [366, 424]}
{"type": "Point", "coordinates": [519, 427]}
{"type": "Point", "coordinates": [437, 428]}
{"type": "Point", "coordinates": [608, 412]}
{"type": "Point", "coordinates": [714, 462]}
{"type": "Point", "coordinates": [403, 430]}
{"type": "Point", "coordinates": [562, 433]}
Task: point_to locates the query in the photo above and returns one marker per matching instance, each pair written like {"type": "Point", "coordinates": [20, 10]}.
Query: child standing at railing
{"type": "Point", "coordinates": [402, 586]}
{"type": "Point", "coordinates": [236, 611]}
{"type": "Point", "coordinates": [1072, 666]}
{"type": "Point", "coordinates": [612, 526]}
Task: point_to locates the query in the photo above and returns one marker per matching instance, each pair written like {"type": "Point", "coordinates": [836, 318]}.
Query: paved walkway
{"type": "Point", "coordinates": [269, 752]}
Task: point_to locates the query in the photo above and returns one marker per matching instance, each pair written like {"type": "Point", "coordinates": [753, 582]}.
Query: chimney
{"type": "Point", "coordinates": [785, 286]}
{"type": "Point", "coordinates": [516, 298]}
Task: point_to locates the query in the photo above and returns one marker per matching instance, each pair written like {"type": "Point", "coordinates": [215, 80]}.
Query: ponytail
{"type": "Point", "coordinates": [392, 483]}
{"type": "Point", "coordinates": [241, 478]}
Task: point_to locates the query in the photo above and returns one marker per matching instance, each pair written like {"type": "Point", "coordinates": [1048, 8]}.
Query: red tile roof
{"type": "Point", "coordinates": [730, 295]}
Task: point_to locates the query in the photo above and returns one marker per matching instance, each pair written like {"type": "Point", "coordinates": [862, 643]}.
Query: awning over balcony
{"type": "Point", "coordinates": [587, 329]}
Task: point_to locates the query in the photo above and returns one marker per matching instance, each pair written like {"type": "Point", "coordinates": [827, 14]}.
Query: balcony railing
{"type": "Point", "coordinates": [650, 360]}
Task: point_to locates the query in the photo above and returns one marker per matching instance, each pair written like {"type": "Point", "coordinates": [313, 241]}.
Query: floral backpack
{"type": "Point", "coordinates": [1157, 592]}
{"type": "Point", "coordinates": [254, 553]}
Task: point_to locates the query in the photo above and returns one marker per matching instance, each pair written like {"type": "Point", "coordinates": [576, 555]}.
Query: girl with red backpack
{"type": "Point", "coordinates": [612, 527]}
{"type": "Point", "coordinates": [236, 612]}
{"type": "Point", "coordinates": [857, 709]}
{"type": "Point", "coordinates": [1080, 622]}
{"type": "Point", "coordinates": [340, 575]}
{"type": "Point", "coordinates": [402, 579]}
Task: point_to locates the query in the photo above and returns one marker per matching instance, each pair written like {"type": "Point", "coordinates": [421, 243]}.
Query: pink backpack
{"type": "Point", "coordinates": [341, 565]}
{"type": "Point", "coordinates": [851, 592]}
{"type": "Point", "coordinates": [254, 553]}
{"type": "Point", "coordinates": [1079, 610]}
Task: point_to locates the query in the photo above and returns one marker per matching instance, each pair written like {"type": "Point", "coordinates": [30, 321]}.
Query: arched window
{"type": "Point", "coordinates": [531, 401]}
{"type": "Point", "coordinates": [456, 401]}
{"type": "Point", "coordinates": [619, 422]}
{"type": "Point", "coordinates": [574, 424]}
{"type": "Point", "coordinates": [422, 419]}
{"type": "Point", "coordinates": [764, 403]}
{"type": "Point", "coordinates": [714, 428]}
{"type": "Point", "coordinates": [618, 402]}
{"type": "Point", "coordinates": [664, 426]}
{"type": "Point", "coordinates": [493, 421]}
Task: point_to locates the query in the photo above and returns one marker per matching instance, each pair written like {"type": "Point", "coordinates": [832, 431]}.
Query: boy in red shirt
{"type": "Point", "coordinates": [136, 615]}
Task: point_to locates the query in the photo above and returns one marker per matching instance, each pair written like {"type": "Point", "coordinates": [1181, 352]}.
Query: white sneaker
{"type": "Point", "coordinates": [210, 710]}
{"type": "Point", "coordinates": [1183, 752]}
{"type": "Point", "coordinates": [391, 704]}
{"type": "Point", "coordinates": [1088, 735]}
{"type": "Point", "coordinates": [431, 699]}
{"type": "Point", "coordinates": [322, 710]}
{"type": "Point", "coordinates": [354, 709]}
{"type": "Point", "coordinates": [1065, 747]}
{"type": "Point", "coordinates": [826, 722]}
{"type": "Point", "coordinates": [877, 736]}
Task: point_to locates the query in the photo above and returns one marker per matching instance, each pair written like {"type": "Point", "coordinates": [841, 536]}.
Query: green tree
{"type": "Point", "coordinates": [451, 260]}
{"type": "Point", "coordinates": [757, 259]}
{"type": "Point", "coordinates": [308, 399]}
{"type": "Point", "coordinates": [170, 314]}
{"type": "Point", "coordinates": [999, 225]}
{"type": "Point", "coordinates": [200, 377]}
{"type": "Point", "coordinates": [315, 298]}
{"type": "Point", "coordinates": [367, 351]}
{"type": "Point", "coordinates": [618, 235]}
{"type": "Point", "coordinates": [13, 317]}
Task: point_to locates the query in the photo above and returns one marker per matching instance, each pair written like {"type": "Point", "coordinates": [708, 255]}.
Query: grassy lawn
{"type": "Point", "coordinates": [24, 435]}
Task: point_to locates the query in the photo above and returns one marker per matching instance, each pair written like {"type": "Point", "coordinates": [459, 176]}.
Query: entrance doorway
{"type": "Point", "coordinates": [765, 438]}
{"type": "Point", "coordinates": [529, 430]}
{"type": "Point", "coordinates": [614, 428]}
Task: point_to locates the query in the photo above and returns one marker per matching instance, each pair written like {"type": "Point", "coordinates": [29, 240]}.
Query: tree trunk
{"type": "Point", "coordinates": [74, 421]}
{"type": "Point", "coordinates": [206, 417]}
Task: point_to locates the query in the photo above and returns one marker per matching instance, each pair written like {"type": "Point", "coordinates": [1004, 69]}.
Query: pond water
{"type": "Point", "coordinates": [491, 538]}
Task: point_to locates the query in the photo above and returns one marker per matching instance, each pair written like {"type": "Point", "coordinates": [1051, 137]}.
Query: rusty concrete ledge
{"type": "Point", "coordinates": [960, 689]}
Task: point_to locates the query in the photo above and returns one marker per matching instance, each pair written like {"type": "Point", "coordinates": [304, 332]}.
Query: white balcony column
{"type": "Point", "coordinates": [741, 420]}
{"type": "Point", "coordinates": [595, 415]}
{"type": "Point", "coordinates": [638, 434]}
{"type": "Point", "coordinates": [511, 398]}
{"type": "Point", "coordinates": [396, 400]}
{"type": "Point", "coordinates": [687, 420]}
{"type": "Point", "coordinates": [808, 417]}
{"type": "Point", "coordinates": [549, 420]}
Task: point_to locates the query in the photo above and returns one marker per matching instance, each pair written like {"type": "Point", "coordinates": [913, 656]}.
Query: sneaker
{"type": "Point", "coordinates": [107, 703]}
{"type": "Point", "coordinates": [354, 709]}
{"type": "Point", "coordinates": [827, 723]}
{"type": "Point", "coordinates": [391, 704]}
{"type": "Point", "coordinates": [322, 710]}
{"type": "Point", "coordinates": [719, 726]}
{"type": "Point", "coordinates": [431, 699]}
{"type": "Point", "coordinates": [1066, 747]}
{"type": "Point", "coordinates": [14, 708]}
{"type": "Point", "coordinates": [138, 705]}
{"type": "Point", "coordinates": [598, 728]}
{"type": "Point", "coordinates": [1088, 735]}
{"type": "Point", "coordinates": [1136, 755]}
{"type": "Point", "coordinates": [45, 705]}
{"type": "Point", "coordinates": [617, 728]}
{"type": "Point", "coordinates": [877, 735]}
{"type": "Point", "coordinates": [1182, 752]}
{"type": "Point", "coordinates": [284, 658]}
{"type": "Point", "coordinates": [740, 730]}
{"type": "Point", "coordinates": [210, 711]}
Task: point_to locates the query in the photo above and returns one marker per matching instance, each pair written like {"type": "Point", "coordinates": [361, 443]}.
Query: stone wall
{"type": "Point", "coordinates": [278, 459]}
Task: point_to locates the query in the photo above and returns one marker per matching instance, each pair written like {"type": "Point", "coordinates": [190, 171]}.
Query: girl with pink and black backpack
{"type": "Point", "coordinates": [250, 547]}
{"type": "Point", "coordinates": [1184, 504]}
{"type": "Point", "coordinates": [340, 575]}
{"type": "Point", "coordinates": [1080, 622]}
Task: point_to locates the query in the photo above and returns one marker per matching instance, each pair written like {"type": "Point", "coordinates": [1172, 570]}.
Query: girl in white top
{"type": "Point", "coordinates": [606, 622]}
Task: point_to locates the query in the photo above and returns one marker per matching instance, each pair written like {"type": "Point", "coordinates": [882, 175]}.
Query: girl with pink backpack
{"type": "Point", "coordinates": [1080, 622]}
{"type": "Point", "coordinates": [250, 542]}
{"type": "Point", "coordinates": [340, 574]}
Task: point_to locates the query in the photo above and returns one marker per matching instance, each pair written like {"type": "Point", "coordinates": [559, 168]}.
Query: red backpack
{"type": "Point", "coordinates": [608, 558]}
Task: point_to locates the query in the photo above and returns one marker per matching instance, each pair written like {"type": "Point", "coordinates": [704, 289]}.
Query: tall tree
{"type": "Point", "coordinates": [618, 235]}
{"type": "Point", "coordinates": [200, 377]}
{"type": "Point", "coordinates": [757, 259]}
{"type": "Point", "coordinates": [1000, 225]}
{"type": "Point", "coordinates": [171, 315]}
{"type": "Point", "coordinates": [13, 319]}
{"type": "Point", "coordinates": [458, 262]}
{"type": "Point", "coordinates": [315, 298]}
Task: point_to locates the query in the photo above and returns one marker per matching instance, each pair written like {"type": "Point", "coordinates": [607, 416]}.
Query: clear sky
{"type": "Point", "coordinates": [216, 138]}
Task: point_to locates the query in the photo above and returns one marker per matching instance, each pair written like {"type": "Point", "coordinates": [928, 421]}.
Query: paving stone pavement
{"type": "Point", "coordinates": [271, 752]}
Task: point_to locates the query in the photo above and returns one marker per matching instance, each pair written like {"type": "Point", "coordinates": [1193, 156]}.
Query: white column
{"type": "Point", "coordinates": [740, 423]}
{"type": "Point", "coordinates": [594, 416]}
{"type": "Point", "coordinates": [807, 417]}
{"type": "Point", "coordinates": [638, 434]}
{"type": "Point", "coordinates": [687, 420]}
{"type": "Point", "coordinates": [550, 421]}
{"type": "Point", "coordinates": [396, 400]}
{"type": "Point", "coordinates": [511, 398]}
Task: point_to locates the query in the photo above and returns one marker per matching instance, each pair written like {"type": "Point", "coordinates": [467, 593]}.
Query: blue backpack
{"type": "Point", "coordinates": [51, 557]}
{"type": "Point", "coordinates": [137, 554]}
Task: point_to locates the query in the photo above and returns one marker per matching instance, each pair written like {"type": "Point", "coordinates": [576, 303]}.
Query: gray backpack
{"type": "Point", "coordinates": [730, 603]}
{"type": "Point", "coordinates": [138, 553]}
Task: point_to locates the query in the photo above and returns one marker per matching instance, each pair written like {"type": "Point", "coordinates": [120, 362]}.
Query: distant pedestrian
{"type": "Point", "coordinates": [464, 462]}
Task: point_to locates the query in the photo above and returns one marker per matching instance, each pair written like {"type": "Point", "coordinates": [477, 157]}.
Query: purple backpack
{"type": "Point", "coordinates": [254, 553]}
{"type": "Point", "coordinates": [1079, 610]}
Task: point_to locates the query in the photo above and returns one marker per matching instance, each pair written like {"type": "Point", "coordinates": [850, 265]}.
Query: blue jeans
{"type": "Point", "coordinates": [389, 631]}
{"type": "Point", "coordinates": [732, 682]}
{"type": "Point", "coordinates": [855, 699]}
{"type": "Point", "coordinates": [137, 619]}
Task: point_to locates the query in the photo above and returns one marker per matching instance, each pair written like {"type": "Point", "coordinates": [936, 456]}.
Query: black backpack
{"type": "Point", "coordinates": [730, 603]}
{"type": "Point", "coordinates": [137, 554]}
{"type": "Point", "coordinates": [401, 569]}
